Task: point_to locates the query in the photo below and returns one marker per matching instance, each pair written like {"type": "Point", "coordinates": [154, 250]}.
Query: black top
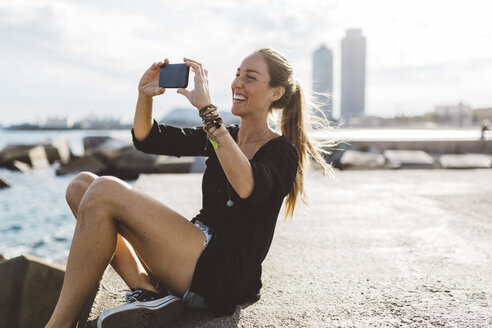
{"type": "Point", "coordinates": [228, 271]}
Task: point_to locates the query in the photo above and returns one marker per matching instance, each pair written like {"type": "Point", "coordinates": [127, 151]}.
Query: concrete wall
{"type": "Point", "coordinates": [429, 146]}
{"type": "Point", "coordinates": [29, 291]}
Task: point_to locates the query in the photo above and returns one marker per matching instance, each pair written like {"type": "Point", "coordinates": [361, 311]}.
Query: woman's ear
{"type": "Point", "coordinates": [278, 92]}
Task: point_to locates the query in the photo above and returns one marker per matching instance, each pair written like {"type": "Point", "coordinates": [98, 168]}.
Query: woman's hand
{"type": "Point", "coordinates": [149, 83]}
{"type": "Point", "coordinates": [200, 96]}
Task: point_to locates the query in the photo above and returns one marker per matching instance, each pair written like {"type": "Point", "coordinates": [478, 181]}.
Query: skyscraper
{"type": "Point", "coordinates": [353, 74]}
{"type": "Point", "coordinates": [323, 80]}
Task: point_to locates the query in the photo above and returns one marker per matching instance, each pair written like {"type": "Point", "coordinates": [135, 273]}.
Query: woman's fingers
{"type": "Point", "coordinates": [195, 65]}
{"type": "Point", "coordinates": [183, 91]}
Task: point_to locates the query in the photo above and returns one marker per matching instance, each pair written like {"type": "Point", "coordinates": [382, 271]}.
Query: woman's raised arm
{"type": "Point", "coordinates": [148, 87]}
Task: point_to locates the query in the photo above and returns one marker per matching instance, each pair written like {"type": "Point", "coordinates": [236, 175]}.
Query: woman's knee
{"type": "Point", "coordinates": [77, 188]}
{"type": "Point", "coordinates": [103, 191]}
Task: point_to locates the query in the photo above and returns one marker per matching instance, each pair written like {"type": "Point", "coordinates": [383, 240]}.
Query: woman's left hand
{"type": "Point", "coordinates": [200, 96]}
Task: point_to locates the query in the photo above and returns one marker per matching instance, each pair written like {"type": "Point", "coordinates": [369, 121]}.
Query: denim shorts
{"type": "Point", "coordinates": [192, 300]}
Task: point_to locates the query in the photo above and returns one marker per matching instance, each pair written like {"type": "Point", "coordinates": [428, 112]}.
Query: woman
{"type": "Point", "coordinates": [214, 261]}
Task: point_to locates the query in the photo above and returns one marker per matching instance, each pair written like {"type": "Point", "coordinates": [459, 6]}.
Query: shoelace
{"type": "Point", "coordinates": [141, 295]}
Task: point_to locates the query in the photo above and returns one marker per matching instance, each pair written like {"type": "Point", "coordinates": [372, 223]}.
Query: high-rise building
{"type": "Point", "coordinates": [353, 74]}
{"type": "Point", "coordinates": [323, 80]}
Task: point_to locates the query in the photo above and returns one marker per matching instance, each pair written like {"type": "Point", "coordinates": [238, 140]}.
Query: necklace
{"type": "Point", "coordinates": [229, 203]}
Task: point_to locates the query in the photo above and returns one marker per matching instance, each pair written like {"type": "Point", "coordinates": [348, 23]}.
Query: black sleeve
{"type": "Point", "coordinates": [173, 141]}
{"type": "Point", "coordinates": [275, 171]}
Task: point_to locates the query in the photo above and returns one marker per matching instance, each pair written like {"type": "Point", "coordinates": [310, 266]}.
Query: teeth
{"type": "Point", "coordinates": [239, 97]}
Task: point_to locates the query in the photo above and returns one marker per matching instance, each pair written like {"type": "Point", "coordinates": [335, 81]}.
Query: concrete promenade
{"type": "Point", "coordinates": [377, 248]}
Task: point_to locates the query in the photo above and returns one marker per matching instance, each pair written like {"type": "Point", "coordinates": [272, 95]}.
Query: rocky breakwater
{"type": "Point", "coordinates": [26, 157]}
{"type": "Point", "coordinates": [3, 183]}
{"type": "Point", "coordinates": [110, 156]}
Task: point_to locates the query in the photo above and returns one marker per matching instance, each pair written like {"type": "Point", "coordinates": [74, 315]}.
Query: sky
{"type": "Point", "coordinates": [85, 58]}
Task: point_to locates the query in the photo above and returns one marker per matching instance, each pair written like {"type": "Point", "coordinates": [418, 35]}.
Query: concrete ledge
{"type": "Point", "coordinates": [379, 248]}
{"type": "Point", "coordinates": [29, 291]}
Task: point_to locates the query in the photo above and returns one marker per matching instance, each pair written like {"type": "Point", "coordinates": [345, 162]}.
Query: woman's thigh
{"type": "Point", "coordinates": [166, 242]}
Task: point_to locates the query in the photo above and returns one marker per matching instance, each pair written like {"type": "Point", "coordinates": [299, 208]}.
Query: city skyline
{"type": "Point", "coordinates": [75, 58]}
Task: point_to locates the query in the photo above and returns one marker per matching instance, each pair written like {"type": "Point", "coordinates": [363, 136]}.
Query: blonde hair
{"type": "Point", "coordinates": [295, 124]}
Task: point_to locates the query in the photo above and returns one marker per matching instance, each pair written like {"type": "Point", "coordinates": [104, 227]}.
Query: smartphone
{"type": "Point", "coordinates": [174, 76]}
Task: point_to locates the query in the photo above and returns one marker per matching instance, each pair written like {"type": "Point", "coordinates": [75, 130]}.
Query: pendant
{"type": "Point", "coordinates": [230, 203]}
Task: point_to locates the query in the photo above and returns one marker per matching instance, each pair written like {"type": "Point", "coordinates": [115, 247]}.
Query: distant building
{"type": "Point", "coordinates": [323, 80]}
{"type": "Point", "coordinates": [458, 115]}
{"type": "Point", "coordinates": [353, 75]}
{"type": "Point", "coordinates": [53, 122]}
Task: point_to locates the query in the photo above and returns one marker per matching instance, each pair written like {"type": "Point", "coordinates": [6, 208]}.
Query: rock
{"type": "Point", "coordinates": [130, 162]}
{"type": "Point", "coordinates": [57, 150]}
{"type": "Point", "coordinates": [108, 147]}
{"type": "Point", "coordinates": [35, 156]}
{"type": "Point", "coordinates": [19, 166]}
{"type": "Point", "coordinates": [87, 163]}
{"type": "Point", "coordinates": [30, 290]}
{"type": "Point", "coordinates": [2, 258]}
{"type": "Point", "coordinates": [361, 160]}
{"type": "Point", "coordinates": [3, 184]}
{"type": "Point", "coordinates": [466, 161]}
{"type": "Point", "coordinates": [409, 159]}
{"type": "Point", "coordinates": [92, 142]}
{"type": "Point", "coordinates": [106, 155]}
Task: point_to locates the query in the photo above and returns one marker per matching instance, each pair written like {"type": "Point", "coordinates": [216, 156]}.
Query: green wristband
{"type": "Point", "coordinates": [213, 143]}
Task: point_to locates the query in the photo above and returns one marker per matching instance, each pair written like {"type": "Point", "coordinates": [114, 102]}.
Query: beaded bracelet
{"type": "Point", "coordinates": [211, 121]}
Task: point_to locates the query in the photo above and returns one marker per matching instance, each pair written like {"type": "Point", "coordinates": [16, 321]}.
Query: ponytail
{"type": "Point", "coordinates": [295, 124]}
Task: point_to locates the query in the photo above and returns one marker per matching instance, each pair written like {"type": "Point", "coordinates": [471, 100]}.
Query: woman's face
{"type": "Point", "coordinates": [251, 92]}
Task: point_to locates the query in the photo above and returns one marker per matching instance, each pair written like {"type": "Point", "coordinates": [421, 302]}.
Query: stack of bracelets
{"type": "Point", "coordinates": [212, 123]}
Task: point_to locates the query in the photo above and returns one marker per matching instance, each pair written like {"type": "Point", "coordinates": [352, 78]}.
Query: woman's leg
{"type": "Point", "coordinates": [167, 242]}
{"type": "Point", "coordinates": [125, 261]}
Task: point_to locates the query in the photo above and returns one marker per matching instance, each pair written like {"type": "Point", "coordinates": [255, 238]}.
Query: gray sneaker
{"type": "Point", "coordinates": [144, 308]}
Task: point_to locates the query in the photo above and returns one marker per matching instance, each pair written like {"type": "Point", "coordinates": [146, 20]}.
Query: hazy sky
{"type": "Point", "coordinates": [86, 57]}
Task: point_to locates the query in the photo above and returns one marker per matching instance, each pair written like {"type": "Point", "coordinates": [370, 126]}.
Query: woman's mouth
{"type": "Point", "coordinates": [239, 98]}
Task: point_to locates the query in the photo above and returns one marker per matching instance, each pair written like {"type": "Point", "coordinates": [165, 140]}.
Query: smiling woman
{"type": "Point", "coordinates": [213, 262]}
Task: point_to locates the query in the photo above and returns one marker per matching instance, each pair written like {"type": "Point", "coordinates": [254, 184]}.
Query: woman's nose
{"type": "Point", "coordinates": [237, 82]}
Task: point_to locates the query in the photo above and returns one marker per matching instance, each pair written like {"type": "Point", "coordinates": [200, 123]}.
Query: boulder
{"type": "Point", "coordinates": [361, 160]}
{"type": "Point", "coordinates": [107, 147]}
{"type": "Point", "coordinates": [33, 155]}
{"type": "Point", "coordinates": [408, 159]}
{"type": "Point", "coordinates": [130, 162]}
{"type": "Point", "coordinates": [19, 166]}
{"type": "Point", "coordinates": [29, 292]}
{"type": "Point", "coordinates": [87, 163]}
{"type": "Point", "coordinates": [57, 150]}
{"type": "Point", "coordinates": [3, 183]}
{"type": "Point", "coordinates": [92, 142]}
{"type": "Point", "coordinates": [465, 161]}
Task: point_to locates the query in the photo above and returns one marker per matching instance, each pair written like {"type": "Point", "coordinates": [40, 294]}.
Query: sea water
{"type": "Point", "coordinates": [34, 216]}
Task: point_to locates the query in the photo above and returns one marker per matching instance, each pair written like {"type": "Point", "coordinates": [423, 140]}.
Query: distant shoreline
{"type": "Point", "coordinates": [40, 128]}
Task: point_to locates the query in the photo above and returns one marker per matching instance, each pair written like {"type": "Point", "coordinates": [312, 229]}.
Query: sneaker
{"type": "Point", "coordinates": [144, 308]}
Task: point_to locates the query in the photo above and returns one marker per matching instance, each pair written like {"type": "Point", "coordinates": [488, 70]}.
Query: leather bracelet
{"type": "Point", "coordinates": [202, 110]}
